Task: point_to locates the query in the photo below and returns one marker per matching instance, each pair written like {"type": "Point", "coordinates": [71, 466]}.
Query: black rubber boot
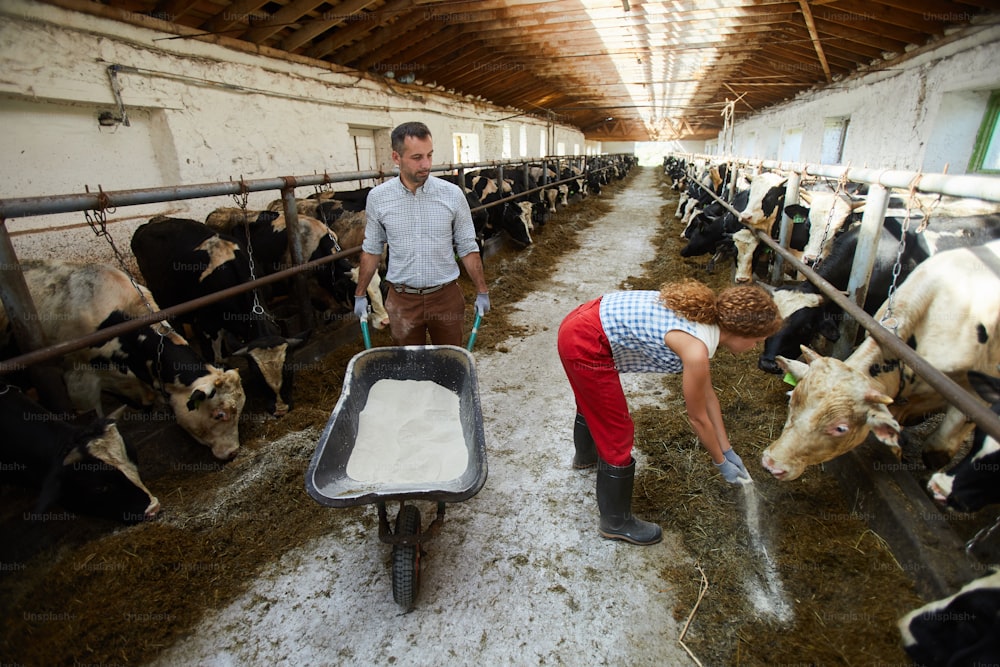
{"type": "Point", "coordinates": [614, 501]}
{"type": "Point", "coordinates": [586, 450]}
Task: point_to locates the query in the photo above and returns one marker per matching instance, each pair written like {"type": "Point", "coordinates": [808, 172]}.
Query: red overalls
{"type": "Point", "coordinates": [590, 367]}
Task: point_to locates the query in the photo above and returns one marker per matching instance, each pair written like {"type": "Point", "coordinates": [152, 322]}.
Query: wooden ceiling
{"type": "Point", "coordinates": [631, 70]}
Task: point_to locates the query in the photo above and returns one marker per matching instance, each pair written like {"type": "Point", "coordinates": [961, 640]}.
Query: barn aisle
{"type": "Point", "coordinates": [518, 574]}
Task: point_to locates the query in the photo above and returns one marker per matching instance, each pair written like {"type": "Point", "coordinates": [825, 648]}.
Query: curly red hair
{"type": "Point", "coordinates": [743, 310]}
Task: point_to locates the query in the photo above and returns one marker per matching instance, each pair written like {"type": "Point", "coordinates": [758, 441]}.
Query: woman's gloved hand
{"type": "Point", "coordinates": [735, 459]}
{"type": "Point", "coordinates": [733, 473]}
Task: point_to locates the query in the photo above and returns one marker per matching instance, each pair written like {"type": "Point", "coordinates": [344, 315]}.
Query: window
{"type": "Point", "coordinates": [834, 134]}
{"type": "Point", "coordinates": [466, 147]}
{"type": "Point", "coordinates": [986, 156]}
{"type": "Point", "coordinates": [522, 150]}
{"type": "Point", "coordinates": [541, 143]}
{"type": "Point", "coordinates": [505, 151]}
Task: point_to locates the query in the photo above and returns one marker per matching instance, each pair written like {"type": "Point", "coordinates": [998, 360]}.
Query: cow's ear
{"type": "Point", "coordinates": [117, 413]}
{"type": "Point", "coordinates": [809, 354]}
{"type": "Point", "coordinates": [793, 367]}
{"type": "Point", "coordinates": [195, 399]}
{"type": "Point", "coordinates": [885, 428]}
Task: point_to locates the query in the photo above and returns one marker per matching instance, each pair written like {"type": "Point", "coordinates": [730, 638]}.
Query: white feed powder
{"type": "Point", "coordinates": [409, 431]}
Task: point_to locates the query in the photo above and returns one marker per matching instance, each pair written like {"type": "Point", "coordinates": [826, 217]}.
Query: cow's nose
{"type": "Point", "coordinates": [768, 365]}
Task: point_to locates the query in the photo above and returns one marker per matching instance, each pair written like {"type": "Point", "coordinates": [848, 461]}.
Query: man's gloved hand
{"type": "Point", "coordinates": [361, 307]}
{"type": "Point", "coordinates": [733, 473]}
{"type": "Point", "coordinates": [483, 303]}
{"type": "Point", "coordinates": [735, 459]}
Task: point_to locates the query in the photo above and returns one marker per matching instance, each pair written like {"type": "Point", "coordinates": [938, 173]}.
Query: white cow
{"type": "Point", "coordinates": [948, 311]}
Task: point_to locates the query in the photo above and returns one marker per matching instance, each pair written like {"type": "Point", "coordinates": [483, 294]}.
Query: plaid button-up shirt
{"type": "Point", "coordinates": [424, 230]}
{"type": "Point", "coordinates": [636, 323]}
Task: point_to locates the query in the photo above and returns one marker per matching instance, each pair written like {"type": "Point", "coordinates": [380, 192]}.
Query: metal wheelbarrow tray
{"type": "Point", "coordinates": [326, 478]}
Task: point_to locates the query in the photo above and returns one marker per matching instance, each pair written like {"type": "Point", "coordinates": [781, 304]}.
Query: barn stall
{"type": "Point", "coordinates": [216, 559]}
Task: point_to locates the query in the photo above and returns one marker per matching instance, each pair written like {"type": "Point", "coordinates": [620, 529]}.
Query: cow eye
{"type": "Point", "coordinates": [840, 429]}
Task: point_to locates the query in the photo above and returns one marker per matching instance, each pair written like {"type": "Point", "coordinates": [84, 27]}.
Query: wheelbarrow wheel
{"type": "Point", "coordinates": [406, 559]}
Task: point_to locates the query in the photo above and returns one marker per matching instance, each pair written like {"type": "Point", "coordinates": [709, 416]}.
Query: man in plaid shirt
{"type": "Point", "coordinates": [426, 222]}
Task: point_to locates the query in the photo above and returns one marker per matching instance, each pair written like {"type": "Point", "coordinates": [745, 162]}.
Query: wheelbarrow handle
{"type": "Point", "coordinates": [365, 335]}
{"type": "Point", "coordinates": [475, 331]}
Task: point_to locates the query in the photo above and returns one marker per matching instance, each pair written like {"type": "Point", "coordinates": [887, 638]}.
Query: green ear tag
{"type": "Point", "coordinates": [790, 380]}
{"type": "Point", "coordinates": [799, 219]}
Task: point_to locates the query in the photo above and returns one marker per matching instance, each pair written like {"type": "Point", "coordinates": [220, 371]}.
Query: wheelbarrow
{"type": "Point", "coordinates": [327, 480]}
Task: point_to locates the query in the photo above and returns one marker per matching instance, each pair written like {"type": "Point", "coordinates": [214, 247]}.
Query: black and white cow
{"type": "Point", "coordinates": [184, 259]}
{"type": "Point", "coordinates": [961, 629]}
{"type": "Point", "coordinates": [266, 238]}
{"type": "Point", "coordinates": [505, 214]}
{"type": "Point", "coordinates": [87, 469]}
{"type": "Point", "coordinates": [765, 202]}
{"type": "Point", "coordinates": [74, 300]}
{"type": "Point", "coordinates": [975, 481]}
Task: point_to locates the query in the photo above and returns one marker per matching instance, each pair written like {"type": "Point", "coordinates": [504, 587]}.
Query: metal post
{"type": "Point", "coordinates": [863, 264]}
{"type": "Point", "coordinates": [785, 228]}
{"type": "Point", "coordinates": [294, 232]}
{"type": "Point", "coordinates": [24, 323]}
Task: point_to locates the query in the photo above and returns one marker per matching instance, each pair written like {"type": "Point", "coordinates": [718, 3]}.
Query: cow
{"type": "Point", "coordinates": [74, 300]}
{"type": "Point", "coordinates": [961, 629]}
{"type": "Point", "coordinates": [807, 313]}
{"type": "Point", "coordinates": [480, 216]}
{"type": "Point", "coordinates": [972, 483]}
{"type": "Point", "coordinates": [766, 200]}
{"type": "Point", "coordinates": [510, 216]}
{"type": "Point", "coordinates": [827, 213]}
{"type": "Point", "coordinates": [948, 311]}
{"type": "Point", "coordinates": [265, 236]}
{"type": "Point", "coordinates": [181, 260]}
{"type": "Point", "coordinates": [86, 469]}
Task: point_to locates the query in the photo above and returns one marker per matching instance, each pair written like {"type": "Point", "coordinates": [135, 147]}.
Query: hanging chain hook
{"type": "Point", "coordinates": [98, 222]}
{"type": "Point", "coordinates": [888, 320]}
{"type": "Point", "coordinates": [242, 199]}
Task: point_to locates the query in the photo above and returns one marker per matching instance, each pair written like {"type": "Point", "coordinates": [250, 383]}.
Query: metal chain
{"type": "Point", "coordinates": [242, 198]}
{"type": "Point", "coordinates": [841, 186]}
{"type": "Point", "coordinates": [981, 535]}
{"type": "Point", "coordinates": [888, 321]}
{"type": "Point", "coordinates": [98, 221]}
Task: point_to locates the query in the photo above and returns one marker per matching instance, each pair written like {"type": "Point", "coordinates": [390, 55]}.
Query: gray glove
{"type": "Point", "coordinates": [361, 307]}
{"type": "Point", "coordinates": [733, 473]}
{"type": "Point", "coordinates": [735, 459]}
{"type": "Point", "coordinates": [482, 303]}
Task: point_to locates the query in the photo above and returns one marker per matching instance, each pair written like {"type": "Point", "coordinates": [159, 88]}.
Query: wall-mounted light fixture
{"type": "Point", "coordinates": [108, 119]}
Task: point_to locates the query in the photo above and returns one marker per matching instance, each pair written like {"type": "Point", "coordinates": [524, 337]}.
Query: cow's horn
{"type": "Point", "coordinates": [809, 354]}
{"type": "Point", "coordinates": [875, 396]}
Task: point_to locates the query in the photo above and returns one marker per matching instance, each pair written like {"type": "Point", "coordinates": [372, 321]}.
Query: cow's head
{"type": "Point", "coordinates": [210, 408]}
{"type": "Point", "coordinates": [972, 484]}
{"type": "Point", "coordinates": [831, 411]}
{"type": "Point", "coordinates": [270, 372]}
{"type": "Point", "coordinates": [827, 213]}
{"type": "Point", "coordinates": [746, 244]}
{"type": "Point", "coordinates": [767, 192]}
{"type": "Point", "coordinates": [99, 477]}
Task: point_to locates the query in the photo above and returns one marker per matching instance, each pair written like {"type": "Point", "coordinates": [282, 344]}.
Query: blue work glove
{"type": "Point", "coordinates": [361, 307]}
{"type": "Point", "coordinates": [482, 303]}
{"type": "Point", "coordinates": [735, 459]}
{"type": "Point", "coordinates": [733, 473]}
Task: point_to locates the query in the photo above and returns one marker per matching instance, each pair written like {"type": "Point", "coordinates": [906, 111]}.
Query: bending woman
{"type": "Point", "coordinates": [675, 330]}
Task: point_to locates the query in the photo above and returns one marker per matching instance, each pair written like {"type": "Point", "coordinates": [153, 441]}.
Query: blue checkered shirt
{"type": "Point", "coordinates": [636, 323]}
{"type": "Point", "coordinates": [424, 230]}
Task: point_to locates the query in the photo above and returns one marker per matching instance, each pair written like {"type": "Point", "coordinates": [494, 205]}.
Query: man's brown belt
{"type": "Point", "coordinates": [418, 290]}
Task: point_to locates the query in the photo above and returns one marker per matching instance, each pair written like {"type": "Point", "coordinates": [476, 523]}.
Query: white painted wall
{"type": "Point", "coordinates": [917, 115]}
{"type": "Point", "coordinates": [198, 113]}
